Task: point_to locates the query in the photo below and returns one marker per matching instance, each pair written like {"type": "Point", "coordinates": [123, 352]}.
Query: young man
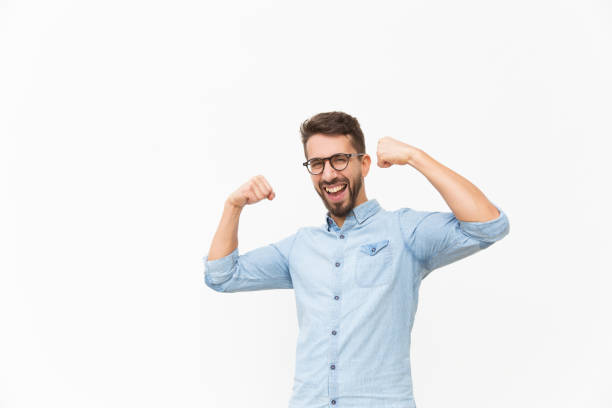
{"type": "Point", "coordinates": [356, 278]}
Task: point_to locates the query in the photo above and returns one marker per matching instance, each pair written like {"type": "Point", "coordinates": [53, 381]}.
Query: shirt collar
{"type": "Point", "coordinates": [361, 213]}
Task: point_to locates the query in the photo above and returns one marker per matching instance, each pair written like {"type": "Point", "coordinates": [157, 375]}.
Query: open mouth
{"type": "Point", "coordinates": [336, 192]}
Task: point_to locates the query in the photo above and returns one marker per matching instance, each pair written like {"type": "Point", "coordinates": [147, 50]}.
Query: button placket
{"type": "Point", "coordinates": [334, 324]}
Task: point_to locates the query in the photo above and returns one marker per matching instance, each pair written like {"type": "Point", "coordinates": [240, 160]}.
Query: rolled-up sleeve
{"type": "Point", "coordinates": [262, 268]}
{"type": "Point", "coordinates": [438, 238]}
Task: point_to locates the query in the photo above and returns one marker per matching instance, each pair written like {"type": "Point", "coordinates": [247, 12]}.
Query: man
{"type": "Point", "coordinates": [356, 278]}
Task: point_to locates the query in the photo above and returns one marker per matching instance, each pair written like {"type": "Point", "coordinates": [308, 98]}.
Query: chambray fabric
{"type": "Point", "coordinates": [356, 291]}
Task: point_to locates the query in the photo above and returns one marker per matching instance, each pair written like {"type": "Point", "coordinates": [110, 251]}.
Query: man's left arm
{"type": "Point", "coordinates": [466, 201]}
{"type": "Point", "coordinates": [439, 238]}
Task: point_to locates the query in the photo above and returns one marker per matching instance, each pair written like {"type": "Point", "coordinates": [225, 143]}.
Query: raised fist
{"type": "Point", "coordinates": [254, 190]}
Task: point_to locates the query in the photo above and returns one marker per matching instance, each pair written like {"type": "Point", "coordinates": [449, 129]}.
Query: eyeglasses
{"type": "Point", "coordinates": [338, 161]}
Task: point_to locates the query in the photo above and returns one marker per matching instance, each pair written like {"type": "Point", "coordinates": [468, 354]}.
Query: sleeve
{"type": "Point", "coordinates": [262, 268]}
{"type": "Point", "coordinates": [438, 238]}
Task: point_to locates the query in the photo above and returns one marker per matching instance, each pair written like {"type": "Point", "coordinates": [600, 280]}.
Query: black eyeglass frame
{"type": "Point", "coordinates": [347, 155]}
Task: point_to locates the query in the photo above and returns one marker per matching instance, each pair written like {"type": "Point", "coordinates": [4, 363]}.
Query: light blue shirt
{"type": "Point", "coordinates": [356, 291]}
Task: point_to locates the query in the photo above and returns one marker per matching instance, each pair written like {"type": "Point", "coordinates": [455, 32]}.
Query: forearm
{"type": "Point", "coordinates": [226, 236]}
{"type": "Point", "coordinates": [466, 201]}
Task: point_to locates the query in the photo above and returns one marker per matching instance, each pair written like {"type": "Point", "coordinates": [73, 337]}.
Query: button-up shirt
{"type": "Point", "coordinates": [356, 290]}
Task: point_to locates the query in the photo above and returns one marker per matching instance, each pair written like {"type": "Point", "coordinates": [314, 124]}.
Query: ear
{"type": "Point", "coordinates": [365, 164]}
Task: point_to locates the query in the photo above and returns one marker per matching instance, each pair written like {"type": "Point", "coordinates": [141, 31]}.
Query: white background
{"type": "Point", "coordinates": [125, 124]}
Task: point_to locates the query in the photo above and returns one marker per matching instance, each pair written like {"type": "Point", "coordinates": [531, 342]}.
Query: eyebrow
{"type": "Point", "coordinates": [327, 156]}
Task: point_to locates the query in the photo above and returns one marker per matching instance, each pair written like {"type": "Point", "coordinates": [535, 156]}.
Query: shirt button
{"type": "Point", "coordinates": [333, 367]}
{"type": "Point", "coordinates": [337, 263]}
{"type": "Point", "coordinates": [336, 297]}
{"type": "Point", "coordinates": [373, 249]}
{"type": "Point", "coordinates": [333, 402]}
{"type": "Point", "coordinates": [334, 332]}
{"type": "Point", "coordinates": [341, 236]}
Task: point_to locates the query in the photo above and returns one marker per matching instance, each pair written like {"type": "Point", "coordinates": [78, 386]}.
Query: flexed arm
{"type": "Point", "coordinates": [226, 237]}
{"type": "Point", "coordinates": [261, 268]}
{"type": "Point", "coordinates": [440, 238]}
{"type": "Point", "coordinates": [466, 201]}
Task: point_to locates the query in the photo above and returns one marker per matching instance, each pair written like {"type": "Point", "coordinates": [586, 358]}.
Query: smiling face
{"type": "Point", "coordinates": [352, 192]}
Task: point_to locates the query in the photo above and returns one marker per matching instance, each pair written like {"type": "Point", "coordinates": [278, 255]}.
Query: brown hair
{"type": "Point", "coordinates": [333, 123]}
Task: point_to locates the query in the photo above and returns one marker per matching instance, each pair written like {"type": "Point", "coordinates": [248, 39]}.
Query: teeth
{"type": "Point", "coordinates": [334, 189]}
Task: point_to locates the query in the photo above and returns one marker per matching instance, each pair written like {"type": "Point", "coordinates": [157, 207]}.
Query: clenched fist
{"type": "Point", "coordinates": [391, 151]}
{"type": "Point", "coordinates": [254, 190]}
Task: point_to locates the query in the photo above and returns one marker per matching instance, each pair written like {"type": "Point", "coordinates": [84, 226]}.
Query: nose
{"type": "Point", "coordinates": [328, 171]}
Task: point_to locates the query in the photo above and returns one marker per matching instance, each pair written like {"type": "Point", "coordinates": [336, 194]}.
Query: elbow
{"type": "Point", "coordinates": [507, 228]}
{"type": "Point", "coordinates": [502, 230]}
{"type": "Point", "coordinates": [487, 232]}
{"type": "Point", "coordinates": [219, 273]}
{"type": "Point", "coordinates": [218, 283]}
{"type": "Point", "coordinates": [216, 288]}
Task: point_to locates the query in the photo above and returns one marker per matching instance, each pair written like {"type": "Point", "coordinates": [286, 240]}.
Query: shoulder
{"type": "Point", "coordinates": [411, 216]}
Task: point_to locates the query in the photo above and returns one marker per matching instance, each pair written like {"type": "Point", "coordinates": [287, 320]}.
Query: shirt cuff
{"type": "Point", "coordinates": [487, 231]}
{"type": "Point", "coordinates": [218, 270]}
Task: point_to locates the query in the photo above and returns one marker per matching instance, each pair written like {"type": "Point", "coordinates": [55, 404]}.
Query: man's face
{"type": "Point", "coordinates": [342, 202]}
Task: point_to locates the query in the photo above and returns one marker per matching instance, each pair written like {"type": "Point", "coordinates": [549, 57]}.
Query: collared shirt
{"type": "Point", "coordinates": [356, 290]}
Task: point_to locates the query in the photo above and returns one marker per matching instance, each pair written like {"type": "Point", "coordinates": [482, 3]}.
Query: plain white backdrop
{"type": "Point", "coordinates": [125, 124]}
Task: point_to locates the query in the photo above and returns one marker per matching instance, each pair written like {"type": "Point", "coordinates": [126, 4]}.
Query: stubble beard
{"type": "Point", "coordinates": [343, 208]}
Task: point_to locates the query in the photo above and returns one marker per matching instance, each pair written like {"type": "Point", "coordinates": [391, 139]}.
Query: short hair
{"type": "Point", "coordinates": [333, 123]}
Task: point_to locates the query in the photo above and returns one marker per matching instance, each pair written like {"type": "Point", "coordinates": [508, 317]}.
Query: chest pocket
{"type": "Point", "coordinates": [373, 264]}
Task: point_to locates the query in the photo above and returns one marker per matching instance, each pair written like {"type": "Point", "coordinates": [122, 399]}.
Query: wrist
{"type": "Point", "coordinates": [230, 206]}
{"type": "Point", "coordinates": [414, 156]}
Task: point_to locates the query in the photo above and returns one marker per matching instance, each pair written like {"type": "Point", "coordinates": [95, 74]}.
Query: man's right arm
{"type": "Point", "coordinates": [226, 237]}
{"type": "Point", "coordinates": [262, 268]}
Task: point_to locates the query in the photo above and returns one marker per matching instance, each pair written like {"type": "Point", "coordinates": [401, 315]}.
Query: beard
{"type": "Point", "coordinates": [342, 208]}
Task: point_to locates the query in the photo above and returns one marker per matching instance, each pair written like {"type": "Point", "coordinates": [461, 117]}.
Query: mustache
{"type": "Point", "coordinates": [331, 183]}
